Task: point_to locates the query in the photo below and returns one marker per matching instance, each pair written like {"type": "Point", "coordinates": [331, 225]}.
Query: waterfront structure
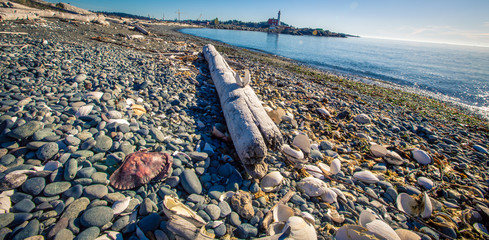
{"type": "Point", "coordinates": [274, 22]}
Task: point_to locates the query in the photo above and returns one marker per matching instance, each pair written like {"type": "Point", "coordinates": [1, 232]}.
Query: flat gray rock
{"type": "Point", "coordinates": [34, 186]}
{"type": "Point", "coordinates": [103, 143]}
{"type": "Point", "coordinates": [97, 216]}
{"type": "Point", "coordinates": [25, 130]}
{"type": "Point", "coordinates": [191, 182]}
{"type": "Point", "coordinates": [56, 188]}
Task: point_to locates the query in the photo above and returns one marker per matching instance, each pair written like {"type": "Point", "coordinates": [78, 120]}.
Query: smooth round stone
{"type": "Point", "coordinates": [234, 219]}
{"type": "Point", "coordinates": [85, 172]}
{"type": "Point", "coordinates": [246, 230]}
{"type": "Point", "coordinates": [100, 178]}
{"type": "Point", "coordinates": [82, 154]}
{"type": "Point", "coordinates": [190, 182]}
{"type": "Point", "coordinates": [173, 181]}
{"type": "Point", "coordinates": [225, 209]}
{"type": "Point", "coordinates": [47, 151]}
{"type": "Point", "coordinates": [204, 215]}
{"type": "Point", "coordinates": [216, 191]}
{"type": "Point", "coordinates": [25, 206]}
{"type": "Point", "coordinates": [362, 118]}
{"type": "Point", "coordinates": [71, 168]}
{"type": "Point", "coordinates": [25, 130]}
{"type": "Point", "coordinates": [150, 222]}
{"type": "Point", "coordinates": [392, 193]}
{"type": "Point", "coordinates": [75, 208]}
{"type": "Point", "coordinates": [198, 156]}
{"type": "Point", "coordinates": [80, 77]}
{"type": "Point", "coordinates": [146, 207]}
{"type": "Point", "coordinates": [113, 197]}
{"type": "Point", "coordinates": [6, 219]}
{"type": "Point", "coordinates": [56, 188]}
{"type": "Point", "coordinates": [425, 182]}
{"type": "Point", "coordinates": [21, 217]}
{"type": "Point", "coordinates": [298, 200]}
{"type": "Point", "coordinates": [83, 136]}
{"type": "Point", "coordinates": [34, 186]}
{"type": "Point", "coordinates": [157, 134]}
{"type": "Point", "coordinates": [316, 154]}
{"type": "Point", "coordinates": [97, 216]}
{"type": "Point", "coordinates": [225, 170]}
{"type": "Point", "coordinates": [72, 141]}
{"type": "Point", "coordinates": [120, 223]}
{"type": "Point", "coordinates": [421, 157]}
{"type": "Point", "coordinates": [89, 144]}
{"type": "Point", "coordinates": [115, 115]}
{"type": "Point", "coordinates": [88, 234]}
{"type": "Point", "coordinates": [213, 211]}
{"type": "Point", "coordinates": [412, 190]}
{"type": "Point", "coordinates": [83, 181]}
{"type": "Point", "coordinates": [195, 198]}
{"type": "Point", "coordinates": [480, 149]}
{"type": "Point", "coordinates": [7, 159]}
{"type": "Point", "coordinates": [64, 234]}
{"type": "Point", "coordinates": [74, 192]}
{"type": "Point", "coordinates": [103, 143]}
{"type": "Point", "coordinates": [96, 191]}
{"type": "Point", "coordinates": [31, 229]}
{"type": "Point", "coordinates": [220, 230]}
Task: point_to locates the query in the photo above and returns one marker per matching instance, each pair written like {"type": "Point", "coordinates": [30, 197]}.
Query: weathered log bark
{"type": "Point", "coordinates": [249, 125]}
{"type": "Point", "coordinates": [141, 29]}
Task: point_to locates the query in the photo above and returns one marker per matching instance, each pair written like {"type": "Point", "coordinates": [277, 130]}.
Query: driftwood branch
{"type": "Point", "coordinates": [250, 127]}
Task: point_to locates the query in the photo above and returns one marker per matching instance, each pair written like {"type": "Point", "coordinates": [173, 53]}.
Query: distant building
{"type": "Point", "coordinates": [274, 22]}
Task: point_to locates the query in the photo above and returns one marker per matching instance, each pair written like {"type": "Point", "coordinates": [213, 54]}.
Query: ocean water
{"type": "Point", "coordinates": [449, 72]}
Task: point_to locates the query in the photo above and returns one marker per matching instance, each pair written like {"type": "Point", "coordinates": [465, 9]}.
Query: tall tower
{"type": "Point", "coordinates": [278, 24]}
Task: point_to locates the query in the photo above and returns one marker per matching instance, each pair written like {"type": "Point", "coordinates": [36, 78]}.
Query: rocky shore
{"type": "Point", "coordinates": [155, 92]}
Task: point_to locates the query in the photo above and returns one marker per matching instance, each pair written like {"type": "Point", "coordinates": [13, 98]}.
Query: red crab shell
{"type": "Point", "coordinates": [140, 168]}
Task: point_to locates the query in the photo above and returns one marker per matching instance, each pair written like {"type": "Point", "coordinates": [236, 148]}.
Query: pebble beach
{"type": "Point", "coordinates": [77, 98]}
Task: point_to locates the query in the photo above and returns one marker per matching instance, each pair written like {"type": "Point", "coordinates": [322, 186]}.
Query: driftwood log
{"type": "Point", "coordinates": [248, 123]}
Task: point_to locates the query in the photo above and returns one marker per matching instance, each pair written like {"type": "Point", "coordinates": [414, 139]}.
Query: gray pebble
{"type": "Point", "coordinates": [64, 234]}
{"type": "Point", "coordinates": [34, 186]}
{"type": "Point", "coordinates": [225, 209]}
{"type": "Point", "coordinates": [75, 208]}
{"type": "Point", "coordinates": [150, 222]}
{"type": "Point", "coordinates": [85, 172]}
{"type": "Point", "coordinates": [31, 229]}
{"type": "Point", "coordinates": [56, 188]}
{"type": "Point", "coordinates": [103, 143]}
{"type": "Point", "coordinates": [71, 168]}
{"type": "Point", "coordinates": [96, 191]}
{"type": "Point", "coordinates": [97, 216]}
{"type": "Point", "coordinates": [47, 151]}
{"type": "Point", "coordinates": [246, 230]}
{"type": "Point", "coordinates": [25, 206]}
{"type": "Point", "coordinates": [234, 219]}
{"type": "Point", "coordinates": [190, 182]}
{"type": "Point", "coordinates": [25, 130]}
{"type": "Point", "coordinates": [220, 230]}
{"type": "Point", "coordinates": [88, 234]}
{"type": "Point", "coordinates": [74, 192]}
{"type": "Point", "coordinates": [213, 211]}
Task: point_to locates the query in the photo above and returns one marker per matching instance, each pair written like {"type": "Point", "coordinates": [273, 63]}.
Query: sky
{"type": "Point", "coordinates": [444, 21]}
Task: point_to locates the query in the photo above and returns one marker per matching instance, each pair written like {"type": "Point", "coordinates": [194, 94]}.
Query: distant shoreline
{"type": "Point", "coordinates": [289, 31]}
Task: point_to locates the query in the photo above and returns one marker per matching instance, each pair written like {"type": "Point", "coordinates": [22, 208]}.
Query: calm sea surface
{"type": "Point", "coordinates": [450, 72]}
